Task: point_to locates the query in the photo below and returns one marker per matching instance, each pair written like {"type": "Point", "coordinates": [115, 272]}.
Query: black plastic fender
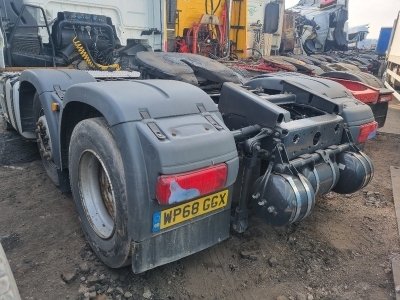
{"type": "Point", "coordinates": [45, 83]}
{"type": "Point", "coordinates": [184, 67]}
{"type": "Point", "coordinates": [356, 76]}
{"type": "Point", "coordinates": [123, 101]}
{"type": "Point", "coordinates": [45, 80]}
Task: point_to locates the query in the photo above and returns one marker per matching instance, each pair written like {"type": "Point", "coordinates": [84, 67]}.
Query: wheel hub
{"type": "Point", "coordinates": [106, 192]}
{"type": "Point", "coordinates": [97, 194]}
{"type": "Point", "coordinates": [44, 139]}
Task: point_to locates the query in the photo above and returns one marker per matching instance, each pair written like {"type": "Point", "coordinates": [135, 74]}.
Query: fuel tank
{"type": "Point", "coordinates": [287, 198]}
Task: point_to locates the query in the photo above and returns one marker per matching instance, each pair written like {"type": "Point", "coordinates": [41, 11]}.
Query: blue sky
{"type": "Point", "coordinates": [377, 13]}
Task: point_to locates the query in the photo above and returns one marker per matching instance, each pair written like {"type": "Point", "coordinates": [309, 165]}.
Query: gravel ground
{"type": "Point", "coordinates": [342, 251]}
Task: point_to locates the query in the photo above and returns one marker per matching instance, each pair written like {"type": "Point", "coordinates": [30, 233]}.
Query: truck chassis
{"type": "Point", "coordinates": [161, 166]}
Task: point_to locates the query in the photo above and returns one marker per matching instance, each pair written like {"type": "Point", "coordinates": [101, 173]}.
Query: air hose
{"type": "Point", "coordinates": [91, 63]}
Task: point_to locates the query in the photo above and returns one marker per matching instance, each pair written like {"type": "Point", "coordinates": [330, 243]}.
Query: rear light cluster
{"type": "Point", "coordinates": [327, 3]}
{"type": "Point", "coordinates": [367, 132]}
{"type": "Point", "coordinates": [185, 186]}
{"type": "Point", "coordinates": [385, 98]}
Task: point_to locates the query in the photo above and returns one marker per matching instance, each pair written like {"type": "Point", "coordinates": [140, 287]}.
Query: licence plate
{"type": "Point", "coordinates": [187, 211]}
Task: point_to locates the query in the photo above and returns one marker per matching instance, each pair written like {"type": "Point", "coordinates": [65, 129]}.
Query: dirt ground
{"type": "Point", "coordinates": [342, 251]}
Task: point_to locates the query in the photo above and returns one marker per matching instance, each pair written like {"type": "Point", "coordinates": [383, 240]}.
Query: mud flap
{"type": "Point", "coordinates": [184, 67]}
{"type": "Point", "coordinates": [380, 112]}
{"type": "Point", "coordinates": [180, 242]}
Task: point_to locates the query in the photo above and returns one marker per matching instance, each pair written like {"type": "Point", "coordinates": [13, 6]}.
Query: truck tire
{"type": "Point", "coordinates": [8, 287]}
{"type": "Point", "coordinates": [99, 191]}
{"type": "Point", "coordinates": [45, 140]}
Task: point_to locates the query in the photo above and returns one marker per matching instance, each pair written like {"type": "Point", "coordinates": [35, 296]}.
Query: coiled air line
{"type": "Point", "coordinates": [91, 63]}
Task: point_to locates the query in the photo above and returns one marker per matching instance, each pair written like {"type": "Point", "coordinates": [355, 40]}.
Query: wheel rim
{"type": "Point", "coordinates": [97, 194]}
{"type": "Point", "coordinates": [44, 139]}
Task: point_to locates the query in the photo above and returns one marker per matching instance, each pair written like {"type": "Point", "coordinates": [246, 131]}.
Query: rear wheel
{"type": "Point", "coordinates": [98, 188]}
{"type": "Point", "coordinates": [44, 140]}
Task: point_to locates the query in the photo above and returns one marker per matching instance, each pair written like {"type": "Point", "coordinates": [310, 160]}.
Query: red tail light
{"type": "Point", "coordinates": [385, 98]}
{"type": "Point", "coordinates": [185, 186]}
{"type": "Point", "coordinates": [367, 132]}
{"type": "Point", "coordinates": [327, 3]}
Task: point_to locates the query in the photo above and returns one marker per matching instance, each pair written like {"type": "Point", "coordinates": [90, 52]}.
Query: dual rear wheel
{"type": "Point", "coordinates": [98, 188]}
{"type": "Point", "coordinates": [97, 184]}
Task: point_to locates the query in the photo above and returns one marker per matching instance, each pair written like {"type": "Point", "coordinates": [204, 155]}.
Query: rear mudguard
{"type": "Point", "coordinates": [184, 67]}
{"type": "Point", "coordinates": [50, 85]}
{"type": "Point", "coordinates": [161, 127]}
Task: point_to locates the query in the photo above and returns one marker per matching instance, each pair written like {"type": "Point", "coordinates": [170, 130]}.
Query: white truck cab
{"type": "Point", "coordinates": [25, 32]}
